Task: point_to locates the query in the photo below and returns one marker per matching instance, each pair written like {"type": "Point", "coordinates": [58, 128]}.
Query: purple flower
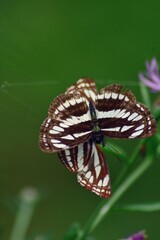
{"type": "Point", "coordinates": [151, 78]}
{"type": "Point", "coordinates": [138, 236]}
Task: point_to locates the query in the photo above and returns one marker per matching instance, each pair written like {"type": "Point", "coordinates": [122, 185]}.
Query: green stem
{"type": "Point", "coordinates": [145, 95]}
{"type": "Point", "coordinates": [130, 162]}
{"type": "Point", "coordinates": [104, 208]}
{"type": "Point", "coordinates": [28, 199]}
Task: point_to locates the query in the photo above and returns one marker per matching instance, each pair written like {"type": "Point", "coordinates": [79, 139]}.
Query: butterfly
{"type": "Point", "coordinates": [80, 119]}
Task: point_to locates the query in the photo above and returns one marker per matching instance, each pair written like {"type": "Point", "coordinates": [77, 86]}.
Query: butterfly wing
{"type": "Point", "coordinates": [88, 161]}
{"type": "Point", "coordinates": [121, 116]}
{"type": "Point", "coordinates": [87, 87]}
{"type": "Point", "coordinates": [68, 123]}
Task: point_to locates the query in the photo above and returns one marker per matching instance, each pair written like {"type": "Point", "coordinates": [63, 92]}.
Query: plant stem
{"type": "Point", "coordinates": [145, 95]}
{"type": "Point", "coordinates": [28, 199]}
{"type": "Point", "coordinates": [130, 162]}
{"type": "Point", "coordinates": [104, 207]}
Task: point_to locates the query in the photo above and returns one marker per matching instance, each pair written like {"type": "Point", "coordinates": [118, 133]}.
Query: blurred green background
{"type": "Point", "coordinates": [45, 46]}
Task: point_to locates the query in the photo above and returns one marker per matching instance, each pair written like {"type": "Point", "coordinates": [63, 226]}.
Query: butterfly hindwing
{"type": "Point", "coordinates": [77, 157]}
{"type": "Point", "coordinates": [121, 116]}
{"type": "Point", "coordinates": [88, 161]}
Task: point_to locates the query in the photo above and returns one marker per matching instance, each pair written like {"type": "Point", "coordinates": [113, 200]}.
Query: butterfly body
{"type": "Point", "coordinates": [81, 118]}
{"type": "Point", "coordinates": [97, 135]}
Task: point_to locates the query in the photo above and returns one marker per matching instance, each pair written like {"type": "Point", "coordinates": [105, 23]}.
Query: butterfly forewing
{"type": "Point", "coordinates": [88, 161]}
{"type": "Point", "coordinates": [121, 116]}
{"type": "Point", "coordinates": [68, 123]}
{"type": "Point", "coordinates": [87, 87]}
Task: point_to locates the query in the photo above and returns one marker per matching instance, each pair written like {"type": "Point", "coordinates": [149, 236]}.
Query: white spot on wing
{"type": "Point", "coordinates": [126, 115]}
{"type": "Point", "coordinates": [100, 96]}
{"type": "Point", "coordinates": [137, 118]}
{"type": "Point", "coordinates": [56, 112]}
{"type": "Point", "coordinates": [118, 113]}
{"type": "Point", "coordinates": [88, 174]}
{"type": "Point", "coordinates": [140, 127]}
{"type": "Point", "coordinates": [106, 180]}
{"type": "Point", "coordinates": [63, 125]}
{"type": "Point", "coordinates": [137, 133]}
{"type": "Point", "coordinates": [70, 163]}
{"type": "Point", "coordinates": [91, 179]}
{"type": "Point", "coordinates": [82, 182]}
{"type": "Point", "coordinates": [80, 164]}
{"type": "Point", "coordinates": [92, 95]}
{"type": "Point", "coordinates": [72, 102]}
{"type": "Point", "coordinates": [68, 137]}
{"type": "Point", "coordinates": [114, 95]}
{"type": "Point", "coordinates": [121, 113]}
{"type": "Point", "coordinates": [98, 169]}
{"type": "Point", "coordinates": [76, 120]}
{"type": "Point", "coordinates": [53, 131]}
{"type": "Point", "coordinates": [78, 100]}
{"type": "Point", "coordinates": [66, 104]}
{"type": "Point", "coordinates": [59, 129]}
{"type": "Point", "coordinates": [126, 99]}
{"type": "Point", "coordinates": [101, 114]}
{"type": "Point", "coordinates": [49, 119]}
{"type": "Point", "coordinates": [80, 80]}
{"type": "Point", "coordinates": [67, 152]}
{"type": "Point", "coordinates": [116, 129]}
{"type": "Point", "coordinates": [82, 85]}
{"type": "Point", "coordinates": [81, 134]}
{"type": "Point", "coordinates": [138, 105]}
{"type": "Point", "coordinates": [61, 108]}
{"type": "Point", "coordinates": [59, 145]}
{"type": "Point", "coordinates": [55, 141]}
{"type": "Point", "coordinates": [107, 95]}
{"type": "Point", "coordinates": [125, 128]}
{"type": "Point", "coordinates": [133, 115]}
{"type": "Point", "coordinates": [85, 117]}
{"type": "Point", "coordinates": [121, 96]}
{"type": "Point", "coordinates": [86, 92]}
{"type": "Point", "coordinates": [96, 157]}
{"type": "Point", "coordinates": [100, 183]}
{"type": "Point", "coordinates": [85, 169]}
{"type": "Point", "coordinates": [80, 152]}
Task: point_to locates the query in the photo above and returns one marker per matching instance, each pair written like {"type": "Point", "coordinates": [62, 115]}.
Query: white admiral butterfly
{"type": "Point", "coordinates": [80, 118]}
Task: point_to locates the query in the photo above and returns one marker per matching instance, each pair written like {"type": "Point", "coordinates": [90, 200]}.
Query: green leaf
{"type": "Point", "coordinates": [144, 207]}
{"type": "Point", "coordinates": [158, 150]}
{"type": "Point", "coordinates": [154, 141]}
{"type": "Point", "coordinates": [72, 232]}
{"type": "Point", "coordinates": [145, 95]}
{"type": "Point", "coordinates": [157, 113]}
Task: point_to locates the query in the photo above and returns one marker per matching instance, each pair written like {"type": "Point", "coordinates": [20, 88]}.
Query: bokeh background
{"type": "Point", "coordinates": [45, 46]}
